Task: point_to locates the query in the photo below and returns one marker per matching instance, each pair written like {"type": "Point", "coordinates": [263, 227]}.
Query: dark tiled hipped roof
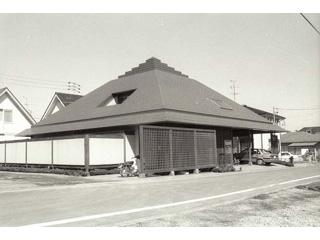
{"type": "Point", "coordinates": [161, 94]}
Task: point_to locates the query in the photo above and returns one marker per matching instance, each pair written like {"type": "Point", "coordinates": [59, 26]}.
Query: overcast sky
{"type": "Point", "coordinates": [275, 58]}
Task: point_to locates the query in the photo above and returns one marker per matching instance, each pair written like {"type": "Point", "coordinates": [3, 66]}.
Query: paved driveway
{"type": "Point", "coordinates": [99, 202]}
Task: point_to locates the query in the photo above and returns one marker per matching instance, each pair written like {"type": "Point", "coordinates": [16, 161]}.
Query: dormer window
{"type": "Point", "coordinates": [120, 97]}
{"type": "Point", "coordinates": [117, 98]}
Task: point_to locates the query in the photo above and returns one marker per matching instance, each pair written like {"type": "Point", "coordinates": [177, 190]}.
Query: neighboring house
{"type": "Point", "coordinates": [300, 143]}
{"type": "Point", "coordinates": [171, 121]}
{"type": "Point", "coordinates": [268, 141]}
{"type": "Point", "coordinates": [59, 101]}
{"type": "Point", "coordinates": [312, 130]}
{"type": "Point", "coordinates": [13, 116]}
{"type": "Point", "coordinates": [279, 120]}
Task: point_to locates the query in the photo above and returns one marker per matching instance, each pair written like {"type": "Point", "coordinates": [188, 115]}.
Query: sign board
{"type": "Point", "coordinates": [227, 146]}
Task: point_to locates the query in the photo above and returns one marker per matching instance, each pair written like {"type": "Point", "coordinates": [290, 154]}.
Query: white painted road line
{"type": "Point", "coordinates": [297, 180]}
{"type": "Point", "coordinates": [111, 214]}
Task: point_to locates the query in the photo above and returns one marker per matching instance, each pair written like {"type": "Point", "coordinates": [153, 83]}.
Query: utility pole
{"type": "Point", "coordinates": [233, 88]}
{"type": "Point", "coordinates": [274, 112]}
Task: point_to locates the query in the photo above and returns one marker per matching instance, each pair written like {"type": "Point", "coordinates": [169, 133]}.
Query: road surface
{"type": "Point", "coordinates": [116, 203]}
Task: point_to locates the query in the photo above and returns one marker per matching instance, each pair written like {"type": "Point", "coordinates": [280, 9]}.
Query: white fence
{"type": "Point", "coordinates": [82, 151]}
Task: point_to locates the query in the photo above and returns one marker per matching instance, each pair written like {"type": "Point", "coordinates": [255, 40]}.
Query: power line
{"type": "Point", "coordinates": [37, 86]}
{"type": "Point", "coordinates": [32, 82]}
{"type": "Point", "coordinates": [28, 78]}
{"type": "Point", "coordinates": [299, 109]}
{"type": "Point", "coordinates": [310, 23]}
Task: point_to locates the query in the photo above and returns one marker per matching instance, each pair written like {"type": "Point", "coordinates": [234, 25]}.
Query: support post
{"type": "Point", "coordinates": [26, 153]}
{"type": "Point", "coordinates": [124, 147]}
{"type": "Point", "coordinates": [196, 170]}
{"type": "Point", "coordinates": [250, 148]}
{"type": "Point", "coordinates": [139, 137]}
{"type": "Point", "coordinates": [171, 159]}
{"type": "Point", "coordinates": [279, 143]}
{"type": "Point", "coordinates": [86, 155]}
{"type": "Point", "coordinates": [52, 155]}
{"type": "Point", "coordinates": [261, 138]}
{"type": "Point", "coordinates": [5, 154]}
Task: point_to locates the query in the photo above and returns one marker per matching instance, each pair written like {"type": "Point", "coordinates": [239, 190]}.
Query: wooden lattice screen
{"type": "Point", "coordinates": [165, 149]}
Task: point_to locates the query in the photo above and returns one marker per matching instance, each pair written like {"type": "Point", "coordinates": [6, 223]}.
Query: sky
{"type": "Point", "coordinates": [274, 58]}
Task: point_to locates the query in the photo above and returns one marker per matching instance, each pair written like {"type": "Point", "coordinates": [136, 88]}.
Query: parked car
{"type": "Point", "coordinates": [285, 156]}
{"type": "Point", "coordinates": [258, 156]}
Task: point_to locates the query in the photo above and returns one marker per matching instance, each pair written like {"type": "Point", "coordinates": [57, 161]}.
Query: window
{"type": "Point", "coordinates": [221, 103]}
{"type": "Point", "coordinates": [1, 114]}
{"type": "Point", "coordinates": [122, 96]}
{"type": "Point", "coordinates": [8, 115]}
{"type": "Point", "coordinates": [116, 98]}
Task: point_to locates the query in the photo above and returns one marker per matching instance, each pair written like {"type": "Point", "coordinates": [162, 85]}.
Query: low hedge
{"type": "Point", "coordinates": [64, 171]}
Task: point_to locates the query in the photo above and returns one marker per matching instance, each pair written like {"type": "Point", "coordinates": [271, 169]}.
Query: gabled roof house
{"type": "Point", "coordinates": [59, 101]}
{"type": "Point", "coordinates": [313, 130]}
{"type": "Point", "coordinates": [266, 114]}
{"type": "Point", "coordinates": [13, 116]}
{"type": "Point", "coordinates": [298, 142]}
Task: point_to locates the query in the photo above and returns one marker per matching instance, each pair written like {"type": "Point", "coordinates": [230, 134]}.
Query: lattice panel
{"type": "Point", "coordinates": [156, 147]}
{"type": "Point", "coordinates": [206, 148]}
{"type": "Point", "coordinates": [183, 149]}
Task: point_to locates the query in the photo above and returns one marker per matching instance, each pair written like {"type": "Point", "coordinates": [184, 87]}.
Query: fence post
{"type": "Point", "coordinates": [86, 155]}
{"type": "Point", "coordinates": [141, 161]}
{"type": "Point", "coordinates": [52, 161]}
{"type": "Point", "coordinates": [196, 170]}
{"type": "Point", "coordinates": [5, 154]}
{"type": "Point", "coordinates": [26, 154]}
{"type": "Point", "coordinates": [171, 157]}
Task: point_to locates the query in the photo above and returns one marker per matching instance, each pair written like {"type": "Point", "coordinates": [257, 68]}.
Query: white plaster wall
{"type": "Point", "coordinates": [265, 139]}
{"type": "Point", "coordinates": [18, 124]}
{"type": "Point", "coordinates": [106, 151]}
{"type": "Point", "coordinates": [1, 153]}
{"type": "Point", "coordinates": [16, 152]}
{"type": "Point", "coordinates": [68, 151]}
{"type": "Point", "coordinates": [129, 149]}
{"type": "Point", "coordinates": [39, 152]}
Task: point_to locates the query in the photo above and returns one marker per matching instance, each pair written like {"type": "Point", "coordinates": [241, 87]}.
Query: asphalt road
{"type": "Point", "coordinates": [117, 203]}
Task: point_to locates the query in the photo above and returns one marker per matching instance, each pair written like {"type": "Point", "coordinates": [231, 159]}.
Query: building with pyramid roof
{"type": "Point", "coordinates": [154, 94]}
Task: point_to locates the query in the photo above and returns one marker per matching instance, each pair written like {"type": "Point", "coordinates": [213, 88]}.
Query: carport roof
{"type": "Point", "coordinates": [159, 94]}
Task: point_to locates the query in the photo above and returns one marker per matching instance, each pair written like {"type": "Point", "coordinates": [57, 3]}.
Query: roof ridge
{"type": "Point", "coordinates": [152, 64]}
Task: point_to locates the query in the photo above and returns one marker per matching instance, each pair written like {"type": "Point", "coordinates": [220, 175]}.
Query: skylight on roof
{"type": "Point", "coordinates": [116, 98]}
{"type": "Point", "coordinates": [220, 103]}
{"type": "Point", "coordinates": [110, 102]}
